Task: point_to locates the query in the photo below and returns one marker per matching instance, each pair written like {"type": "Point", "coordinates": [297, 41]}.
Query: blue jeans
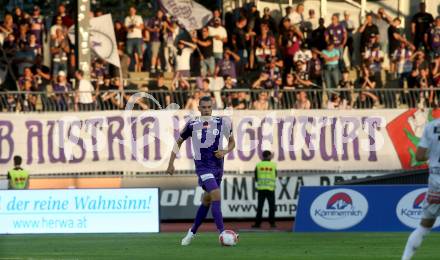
{"type": "Point", "coordinates": [134, 44]}
{"type": "Point", "coordinates": [243, 61]}
{"type": "Point", "coordinates": [332, 76]}
{"type": "Point", "coordinates": [207, 66]}
{"type": "Point", "coordinates": [341, 59]}
{"type": "Point", "coordinates": [402, 77]}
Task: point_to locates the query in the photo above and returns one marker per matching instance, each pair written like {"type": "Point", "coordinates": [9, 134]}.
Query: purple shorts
{"type": "Point", "coordinates": [209, 181]}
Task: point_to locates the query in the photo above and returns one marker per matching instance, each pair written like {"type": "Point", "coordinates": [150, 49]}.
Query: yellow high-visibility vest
{"type": "Point", "coordinates": [266, 174]}
{"type": "Point", "coordinates": [19, 178]}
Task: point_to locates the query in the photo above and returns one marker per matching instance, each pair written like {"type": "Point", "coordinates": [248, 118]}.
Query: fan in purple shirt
{"type": "Point", "coordinates": [207, 134]}
{"type": "Point", "coordinates": [336, 33]}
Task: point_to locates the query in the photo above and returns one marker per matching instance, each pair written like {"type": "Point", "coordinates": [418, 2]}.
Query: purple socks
{"type": "Point", "coordinates": [217, 214]}
{"type": "Point", "coordinates": [203, 211]}
{"type": "Point", "coordinates": [201, 215]}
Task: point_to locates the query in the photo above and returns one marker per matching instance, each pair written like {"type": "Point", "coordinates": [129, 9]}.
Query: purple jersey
{"type": "Point", "coordinates": [435, 38]}
{"type": "Point", "coordinates": [227, 68]}
{"type": "Point", "coordinates": [37, 27]}
{"type": "Point", "coordinates": [62, 88]}
{"type": "Point", "coordinates": [156, 23]}
{"type": "Point", "coordinates": [335, 34]}
{"type": "Point", "coordinates": [207, 137]}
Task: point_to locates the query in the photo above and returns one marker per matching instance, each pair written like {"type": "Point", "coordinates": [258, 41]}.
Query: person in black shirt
{"type": "Point", "coordinates": [394, 37]}
{"type": "Point", "coordinates": [288, 95]}
{"type": "Point", "coordinates": [365, 100]}
{"type": "Point", "coordinates": [267, 18]}
{"type": "Point", "coordinates": [161, 94]}
{"type": "Point", "coordinates": [394, 40]}
{"type": "Point", "coordinates": [109, 97]}
{"type": "Point", "coordinates": [180, 92]}
{"type": "Point", "coordinates": [120, 33]}
{"type": "Point", "coordinates": [238, 43]}
{"type": "Point", "coordinates": [284, 27]}
{"type": "Point", "coordinates": [315, 67]}
{"type": "Point", "coordinates": [42, 74]}
{"type": "Point", "coordinates": [240, 101]}
{"type": "Point", "coordinates": [206, 48]}
{"type": "Point", "coordinates": [366, 81]}
{"type": "Point", "coordinates": [366, 30]}
{"type": "Point", "coordinates": [318, 36]}
{"type": "Point", "coordinates": [346, 86]}
{"type": "Point", "coordinates": [227, 92]}
{"type": "Point", "coordinates": [238, 39]}
{"type": "Point", "coordinates": [420, 25]}
{"type": "Point", "coordinates": [254, 19]}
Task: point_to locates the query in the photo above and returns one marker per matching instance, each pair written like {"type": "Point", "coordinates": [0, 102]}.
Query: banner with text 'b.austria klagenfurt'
{"type": "Point", "coordinates": [142, 141]}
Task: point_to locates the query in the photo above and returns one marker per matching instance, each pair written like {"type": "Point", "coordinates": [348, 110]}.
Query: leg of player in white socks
{"type": "Point", "coordinates": [416, 238]}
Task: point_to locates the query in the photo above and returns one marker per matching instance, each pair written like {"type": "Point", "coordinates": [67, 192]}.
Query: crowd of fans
{"type": "Point", "coordinates": [236, 52]}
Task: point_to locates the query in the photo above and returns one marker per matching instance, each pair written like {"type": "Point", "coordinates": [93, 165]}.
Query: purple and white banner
{"type": "Point", "coordinates": [190, 14]}
{"type": "Point", "coordinates": [143, 141]}
{"type": "Point", "coordinates": [102, 38]}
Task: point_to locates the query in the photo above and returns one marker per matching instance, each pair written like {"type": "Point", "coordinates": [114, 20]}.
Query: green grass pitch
{"type": "Point", "coordinates": [280, 245]}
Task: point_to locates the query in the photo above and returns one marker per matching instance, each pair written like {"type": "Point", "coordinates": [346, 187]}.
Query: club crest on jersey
{"type": "Point", "coordinates": [215, 132]}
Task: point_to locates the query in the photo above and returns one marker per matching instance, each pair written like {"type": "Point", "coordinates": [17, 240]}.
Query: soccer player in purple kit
{"type": "Point", "coordinates": [207, 134]}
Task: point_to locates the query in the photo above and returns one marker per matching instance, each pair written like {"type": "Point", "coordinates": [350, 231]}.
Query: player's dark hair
{"type": "Point", "coordinates": [266, 155]}
{"type": "Point", "coordinates": [205, 99]}
{"type": "Point", "coordinates": [17, 160]}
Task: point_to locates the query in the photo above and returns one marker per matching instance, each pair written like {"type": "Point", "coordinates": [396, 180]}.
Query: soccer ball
{"type": "Point", "coordinates": [228, 238]}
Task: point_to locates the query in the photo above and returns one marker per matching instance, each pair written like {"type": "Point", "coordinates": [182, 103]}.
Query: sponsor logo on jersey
{"type": "Point", "coordinates": [339, 209]}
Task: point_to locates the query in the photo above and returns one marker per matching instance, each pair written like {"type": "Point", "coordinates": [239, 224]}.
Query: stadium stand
{"type": "Point", "coordinates": [251, 61]}
{"type": "Point", "coordinates": [339, 90]}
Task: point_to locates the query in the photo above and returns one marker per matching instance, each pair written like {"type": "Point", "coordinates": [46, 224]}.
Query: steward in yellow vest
{"type": "Point", "coordinates": [18, 177]}
{"type": "Point", "coordinates": [265, 178]}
